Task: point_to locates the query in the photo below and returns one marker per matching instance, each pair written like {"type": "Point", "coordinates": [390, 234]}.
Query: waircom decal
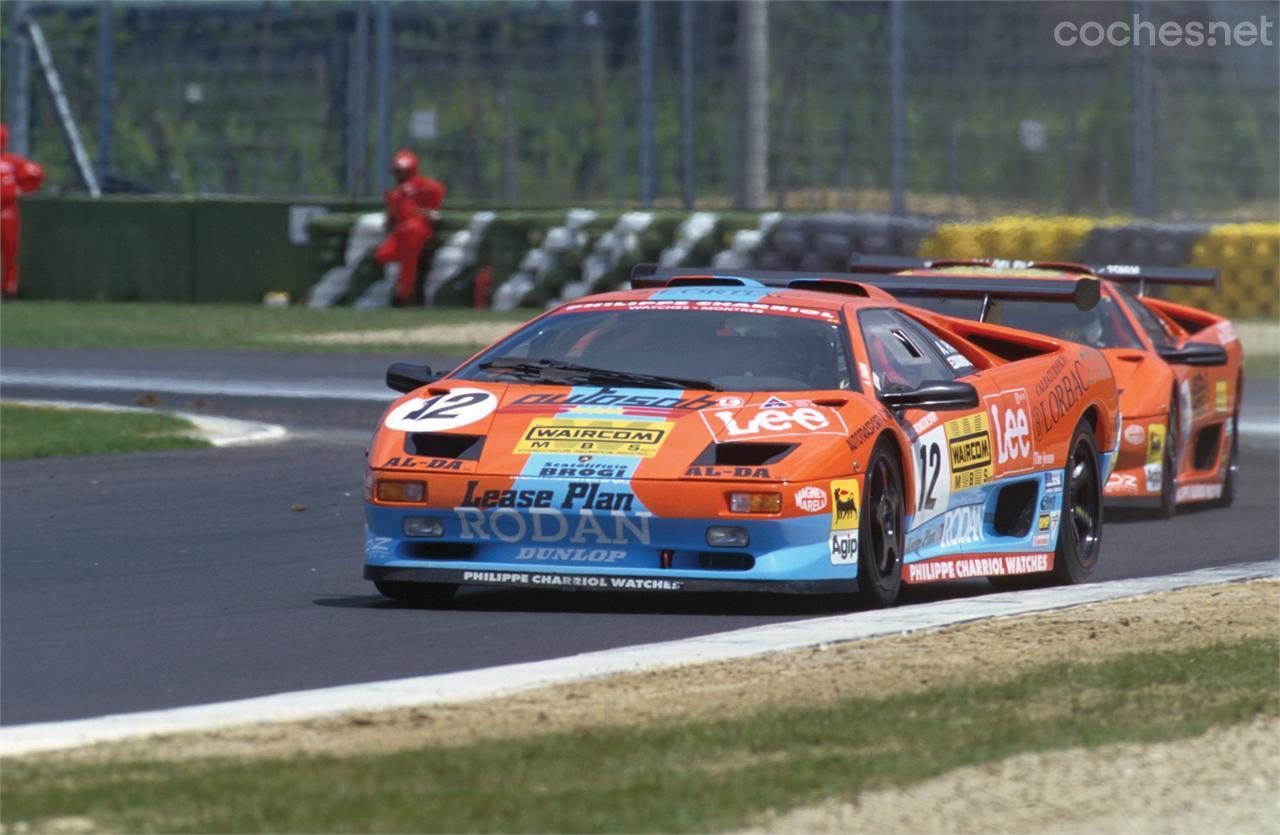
{"type": "Point", "coordinates": [594, 437]}
{"type": "Point", "coordinates": [969, 443]}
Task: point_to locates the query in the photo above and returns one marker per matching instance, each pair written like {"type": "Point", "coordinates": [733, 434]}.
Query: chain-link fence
{"type": "Point", "coordinates": [545, 103]}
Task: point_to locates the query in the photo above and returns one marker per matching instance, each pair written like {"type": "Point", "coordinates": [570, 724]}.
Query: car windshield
{"type": "Point", "coordinates": [728, 351]}
{"type": "Point", "coordinates": [1103, 327]}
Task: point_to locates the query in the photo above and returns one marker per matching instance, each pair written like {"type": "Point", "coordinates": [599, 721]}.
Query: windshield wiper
{"type": "Point", "coordinates": [550, 370]}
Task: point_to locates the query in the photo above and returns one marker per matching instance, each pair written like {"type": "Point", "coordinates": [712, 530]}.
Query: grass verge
{"type": "Point", "coordinates": [41, 432]}
{"type": "Point", "coordinates": [225, 326]}
{"type": "Point", "coordinates": [692, 776]}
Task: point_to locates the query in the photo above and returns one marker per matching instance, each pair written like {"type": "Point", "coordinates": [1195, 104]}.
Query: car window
{"type": "Point", "coordinates": [899, 351]}
{"type": "Point", "coordinates": [1147, 320]}
{"type": "Point", "coordinates": [735, 351]}
{"type": "Point", "coordinates": [1103, 327]}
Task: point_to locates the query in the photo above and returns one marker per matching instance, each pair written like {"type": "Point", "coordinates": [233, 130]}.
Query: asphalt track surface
{"type": "Point", "coordinates": [149, 581]}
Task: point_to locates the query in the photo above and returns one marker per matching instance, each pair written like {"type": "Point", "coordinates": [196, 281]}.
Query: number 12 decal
{"type": "Point", "coordinates": [458, 407]}
{"type": "Point", "coordinates": [930, 464]}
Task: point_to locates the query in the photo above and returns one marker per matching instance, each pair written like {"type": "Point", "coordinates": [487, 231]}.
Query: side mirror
{"type": "Point", "coordinates": [1194, 353]}
{"type": "Point", "coordinates": [404, 377]}
{"type": "Point", "coordinates": [934, 395]}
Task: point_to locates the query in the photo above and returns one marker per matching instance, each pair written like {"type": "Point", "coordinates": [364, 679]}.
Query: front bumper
{"type": "Point", "coordinates": [605, 551]}
{"type": "Point", "coordinates": [598, 582]}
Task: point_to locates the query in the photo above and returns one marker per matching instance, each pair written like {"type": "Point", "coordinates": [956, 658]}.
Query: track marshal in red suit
{"type": "Point", "coordinates": [18, 176]}
{"type": "Point", "coordinates": [410, 203]}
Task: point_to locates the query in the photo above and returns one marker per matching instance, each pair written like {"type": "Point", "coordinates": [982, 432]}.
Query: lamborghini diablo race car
{"type": "Point", "coordinates": [728, 434]}
{"type": "Point", "coordinates": [1180, 370]}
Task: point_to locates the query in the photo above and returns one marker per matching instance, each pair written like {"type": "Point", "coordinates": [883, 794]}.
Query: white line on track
{"type": "Point", "coordinates": [94, 381]}
{"type": "Point", "coordinates": [218, 431]}
{"type": "Point", "coordinates": [512, 678]}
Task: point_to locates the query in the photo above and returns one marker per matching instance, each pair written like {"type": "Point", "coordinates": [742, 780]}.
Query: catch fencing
{"type": "Point", "coordinates": [595, 103]}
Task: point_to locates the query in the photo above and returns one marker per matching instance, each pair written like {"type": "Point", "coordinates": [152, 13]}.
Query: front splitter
{"type": "Point", "coordinates": [598, 582]}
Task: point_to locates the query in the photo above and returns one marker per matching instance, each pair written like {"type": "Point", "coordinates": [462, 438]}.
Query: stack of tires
{"type": "Point", "coordinates": [824, 242]}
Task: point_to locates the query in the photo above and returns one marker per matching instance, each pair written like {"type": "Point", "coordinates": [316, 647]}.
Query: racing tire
{"type": "Point", "coordinates": [416, 594]}
{"type": "Point", "coordinates": [1233, 463]}
{"type": "Point", "coordinates": [1169, 466]}
{"type": "Point", "coordinates": [880, 528]}
{"type": "Point", "coordinates": [1080, 529]}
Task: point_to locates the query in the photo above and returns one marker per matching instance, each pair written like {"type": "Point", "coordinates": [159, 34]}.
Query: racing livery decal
{"type": "Point", "coordinates": [593, 437]}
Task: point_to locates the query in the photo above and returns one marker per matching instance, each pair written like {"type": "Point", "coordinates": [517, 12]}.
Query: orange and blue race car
{"type": "Point", "coordinates": [730, 433]}
{"type": "Point", "coordinates": [1180, 370]}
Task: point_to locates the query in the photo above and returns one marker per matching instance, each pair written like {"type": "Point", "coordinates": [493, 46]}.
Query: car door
{"type": "Point", "coordinates": [951, 461]}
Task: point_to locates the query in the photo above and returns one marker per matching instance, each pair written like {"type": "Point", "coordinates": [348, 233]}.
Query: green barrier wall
{"type": "Point", "coordinates": [158, 249]}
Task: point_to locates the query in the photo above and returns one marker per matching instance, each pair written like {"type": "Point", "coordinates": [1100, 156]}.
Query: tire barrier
{"type": "Point", "coordinates": [123, 248]}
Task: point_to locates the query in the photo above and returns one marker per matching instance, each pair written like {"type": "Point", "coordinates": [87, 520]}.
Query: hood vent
{"type": "Point", "coordinates": [742, 454]}
{"type": "Point", "coordinates": [441, 445]}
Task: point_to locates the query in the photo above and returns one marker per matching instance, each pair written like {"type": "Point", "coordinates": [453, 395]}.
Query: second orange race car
{"type": "Point", "coordinates": [1179, 370]}
{"type": "Point", "coordinates": [738, 434]}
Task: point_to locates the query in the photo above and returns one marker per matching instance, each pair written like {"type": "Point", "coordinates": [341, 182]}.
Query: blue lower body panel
{"type": "Point", "coordinates": [603, 550]}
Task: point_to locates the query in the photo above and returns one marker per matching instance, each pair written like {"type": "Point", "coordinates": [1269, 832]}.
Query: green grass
{"type": "Point", "coordinates": [217, 326]}
{"type": "Point", "coordinates": [38, 432]}
{"type": "Point", "coordinates": [700, 776]}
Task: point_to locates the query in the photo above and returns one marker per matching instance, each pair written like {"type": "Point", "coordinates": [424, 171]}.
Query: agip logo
{"type": "Point", "coordinates": [845, 495]}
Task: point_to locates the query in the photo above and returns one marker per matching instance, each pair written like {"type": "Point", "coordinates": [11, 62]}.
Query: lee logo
{"type": "Point", "coordinates": [774, 420]}
{"type": "Point", "coordinates": [844, 504]}
{"type": "Point", "coordinates": [1012, 429]}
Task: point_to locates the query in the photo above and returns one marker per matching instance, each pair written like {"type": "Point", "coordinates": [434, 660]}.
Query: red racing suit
{"type": "Point", "coordinates": [409, 227]}
{"type": "Point", "coordinates": [17, 176]}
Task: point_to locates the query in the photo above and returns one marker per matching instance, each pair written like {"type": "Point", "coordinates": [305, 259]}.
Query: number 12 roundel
{"type": "Point", "coordinates": [459, 407]}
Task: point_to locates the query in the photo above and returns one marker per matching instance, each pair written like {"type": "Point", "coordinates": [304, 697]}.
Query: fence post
{"type": "Point", "coordinates": [105, 122]}
{"type": "Point", "coordinates": [384, 47]}
{"type": "Point", "coordinates": [897, 107]}
{"type": "Point", "coordinates": [647, 150]}
{"type": "Point", "coordinates": [357, 105]}
{"type": "Point", "coordinates": [753, 70]}
{"type": "Point", "coordinates": [1143, 138]}
{"type": "Point", "coordinates": [20, 116]}
{"type": "Point", "coordinates": [687, 174]}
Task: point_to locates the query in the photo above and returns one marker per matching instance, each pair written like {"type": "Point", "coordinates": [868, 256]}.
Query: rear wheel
{"type": "Point", "coordinates": [1080, 528]}
{"type": "Point", "coordinates": [1233, 463]}
{"type": "Point", "coordinates": [416, 594]}
{"type": "Point", "coordinates": [880, 528]}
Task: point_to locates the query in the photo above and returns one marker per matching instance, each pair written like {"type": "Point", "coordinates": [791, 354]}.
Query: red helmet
{"type": "Point", "coordinates": [404, 164]}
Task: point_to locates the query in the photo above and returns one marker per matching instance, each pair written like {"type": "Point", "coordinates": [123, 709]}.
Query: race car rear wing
{"type": "Point", "coordinates": [1084, 291]}
{"type": "Point", "coordinates": [1121, 273]}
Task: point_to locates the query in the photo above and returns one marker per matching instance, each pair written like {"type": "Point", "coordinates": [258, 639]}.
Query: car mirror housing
{"type": "Point", "coordinates": [404, 377]}
{"type": "Point", "coordinates": [1194, 353]}
{"type": "Point", "coordinates": [936, 395]}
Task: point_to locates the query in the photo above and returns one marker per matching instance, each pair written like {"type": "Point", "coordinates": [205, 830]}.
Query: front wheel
{"type": "Point", "coordinates": [416, 594]}
{"type": "Point", "coordinates": [880, 528]}
{"type": "Point", "coordinates": [1080, 529]}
